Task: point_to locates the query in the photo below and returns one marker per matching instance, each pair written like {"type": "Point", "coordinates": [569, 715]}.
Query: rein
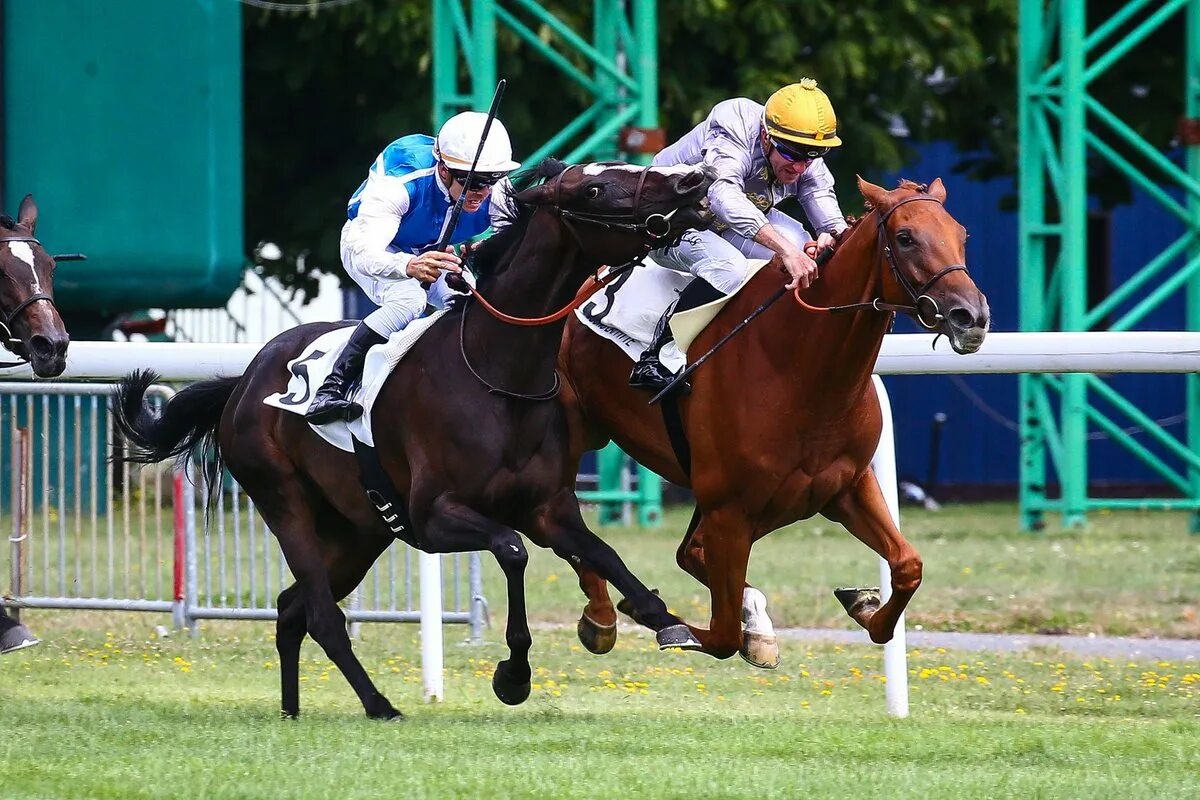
{"type": "Point", "coordinates": [655, 226]}
{"type": "Point", "coordinates": [918, 295]}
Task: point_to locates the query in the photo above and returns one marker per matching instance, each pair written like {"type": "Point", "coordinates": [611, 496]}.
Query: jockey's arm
{"type": "Point", "coordinates": [372, 231]}
{"type": "Point", "coordinates": [819, 200]}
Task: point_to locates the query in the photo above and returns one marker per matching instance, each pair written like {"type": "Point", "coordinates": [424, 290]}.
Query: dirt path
{"type": "Point", "coordinates": [1106, 646]}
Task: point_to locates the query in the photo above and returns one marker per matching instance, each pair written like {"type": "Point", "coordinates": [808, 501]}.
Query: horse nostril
{"type": "Point", "coordinates": [61, 344]}
{"type": "Point", "coordinates": [961, 318]}
{"type": "Point", "coordinates": [42, 346]}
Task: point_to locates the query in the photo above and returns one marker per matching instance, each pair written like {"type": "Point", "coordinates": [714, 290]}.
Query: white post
{"type": "Point", "coordinates": [431, 626]}
{"type": "Point", "coordinates": [895, 655]}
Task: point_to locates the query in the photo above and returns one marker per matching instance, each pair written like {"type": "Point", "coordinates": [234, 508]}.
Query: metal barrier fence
{"type": "Point", "coordinates": [93, 533]}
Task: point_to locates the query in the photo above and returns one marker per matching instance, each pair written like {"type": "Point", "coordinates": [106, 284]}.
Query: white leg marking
{"type": "Point", "coordinates": [754, 612]}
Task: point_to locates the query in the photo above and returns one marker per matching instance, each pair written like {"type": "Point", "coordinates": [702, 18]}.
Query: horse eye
{"type": "Point", "coordinates": [904, 238]}
{"type": "Point", "coordinates": [593, 192]}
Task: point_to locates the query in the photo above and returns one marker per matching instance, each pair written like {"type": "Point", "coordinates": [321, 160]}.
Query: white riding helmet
{"type": "Point", "coordinates": [458, 140]}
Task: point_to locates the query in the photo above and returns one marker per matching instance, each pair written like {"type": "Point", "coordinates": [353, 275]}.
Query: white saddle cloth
{"type": "Point", "coordinates": [315, 362]}
{"type": "Point", "coordinates": [627, 312]}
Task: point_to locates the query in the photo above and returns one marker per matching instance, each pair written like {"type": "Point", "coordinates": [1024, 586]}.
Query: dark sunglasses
{"type": "Point", "coordinates": [479, 181]}
{"type": "Point", "coordinates": [796, 152]}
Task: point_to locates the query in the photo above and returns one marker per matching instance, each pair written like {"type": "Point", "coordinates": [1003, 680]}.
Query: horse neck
{"type": "Point", "coordinates": [831, 355]}
{"type": "Point", "coordinates": [539, 275]}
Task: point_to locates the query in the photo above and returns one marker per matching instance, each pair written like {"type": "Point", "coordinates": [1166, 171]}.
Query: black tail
{"type": "Point", "coordinates": [189, 419]}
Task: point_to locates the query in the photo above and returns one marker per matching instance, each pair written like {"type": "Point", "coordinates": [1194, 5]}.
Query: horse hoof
{"type": "Point", "coordinates": [508, 691]}
{"type": "Point", "coordinates": [860, 604]}
{"type": "Point", "coordinates": [388, 714]}
{"type": "Point", "coordinates": [626, 608]}
{"type": "Point", "coordinates": [597, 638]}
{"type": "Point", "coordinates": [677, 637]}
{"type": "Point", "coordinates": [760, 649]}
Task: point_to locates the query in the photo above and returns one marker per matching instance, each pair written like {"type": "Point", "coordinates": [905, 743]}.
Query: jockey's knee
{"type": "Point", "coordinates": [394, 314]}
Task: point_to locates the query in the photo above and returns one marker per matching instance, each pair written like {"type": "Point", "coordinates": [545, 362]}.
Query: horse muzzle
{"type": "Point", "coordinates": [966, 327]}
{"type": "Point", "coordinates": [46, 354]}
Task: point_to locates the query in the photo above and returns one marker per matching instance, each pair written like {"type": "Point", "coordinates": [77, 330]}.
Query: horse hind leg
{"type": "Point", "coordinates": [597, 626]}
{"type": "Point", "coordinates": [760, 645]}
{"type": "Point", "coordinates": [288, 513]}
{"type": "Point", "coordinates": [290, 630]}
{"type": "Point", "coordinates": [863, 511]}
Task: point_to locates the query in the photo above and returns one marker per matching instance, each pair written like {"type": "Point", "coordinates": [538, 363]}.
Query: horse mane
{"type": "Point", "coordinates": [487, 258]}
{"type": "Point", "coordinates": [7, 222]}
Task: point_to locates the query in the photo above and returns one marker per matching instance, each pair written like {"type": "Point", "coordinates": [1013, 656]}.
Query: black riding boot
{"type": "Point", "coordinates": [332, 402]}
{"type": "Point", "coordinates": [649, 372]}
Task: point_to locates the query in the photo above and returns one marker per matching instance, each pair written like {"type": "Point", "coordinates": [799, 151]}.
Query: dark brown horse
{"type": "Point", "coordinates": [31, 329]}
{"type": "Point", "coordinates": [471, 440]}
{"type": "Point", "coordinates": [783, 422]}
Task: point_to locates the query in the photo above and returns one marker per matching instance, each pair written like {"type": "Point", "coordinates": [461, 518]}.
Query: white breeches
{"type": "Point", "coordinates": [400, 300]}
{"type": "Point", "coordinates": [721, 258]}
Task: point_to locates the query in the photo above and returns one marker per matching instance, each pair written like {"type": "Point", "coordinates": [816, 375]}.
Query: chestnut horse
{"type": "Point", "coordinates": [31, 329]}
{"type": "Point", "coordinates": [465, 426]}
{"type": "Point", "coordinates": [783, 421]}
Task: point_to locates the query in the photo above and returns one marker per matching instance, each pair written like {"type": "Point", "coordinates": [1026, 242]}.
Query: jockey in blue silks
{"type": "Point", "coordinates": [395, 216]}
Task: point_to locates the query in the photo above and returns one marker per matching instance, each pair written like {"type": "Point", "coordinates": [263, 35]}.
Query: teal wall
{"type": "Point", "coordinates": [124, 119]}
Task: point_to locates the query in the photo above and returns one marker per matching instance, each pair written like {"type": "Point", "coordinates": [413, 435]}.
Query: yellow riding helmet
{"type": "Point", "coordinates": [802, 113]}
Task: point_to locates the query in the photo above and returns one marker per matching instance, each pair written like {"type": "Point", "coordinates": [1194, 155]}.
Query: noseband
{"type": "Point", "coordinates": [655, 226]}
{"type": "Point", "coordinates": [8, 317]}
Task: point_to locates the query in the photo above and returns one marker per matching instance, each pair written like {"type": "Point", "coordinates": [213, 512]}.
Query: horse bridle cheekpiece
{"type": "Point", "coordinates": [921, 301]}
{"type": "Point", "coordinates": [8, 317]}
{"type": "Point", "coordinates": [656, 226]}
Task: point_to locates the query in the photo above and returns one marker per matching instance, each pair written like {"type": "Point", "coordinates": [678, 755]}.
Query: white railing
{"type": "Point", "coordinates": [901, 354]}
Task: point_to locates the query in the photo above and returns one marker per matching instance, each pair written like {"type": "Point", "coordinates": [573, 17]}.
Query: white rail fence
{"type": "Point", "coordinates": [1177, 352]}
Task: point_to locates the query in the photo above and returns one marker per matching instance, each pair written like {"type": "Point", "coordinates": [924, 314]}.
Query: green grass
{"type": "Point", "coordinates": [102, 711]}
{"type": "Point", "coordinates": [1129, 573]}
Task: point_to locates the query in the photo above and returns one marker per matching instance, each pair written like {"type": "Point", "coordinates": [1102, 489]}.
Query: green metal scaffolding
{"type": "Point", "coordinates": [621, 76]}
{"type": "Point", "coordinates": [1060, 124]}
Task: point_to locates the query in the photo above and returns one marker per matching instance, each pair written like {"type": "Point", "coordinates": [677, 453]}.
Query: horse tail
{"type": "Point", "coordinates": [187, 420]}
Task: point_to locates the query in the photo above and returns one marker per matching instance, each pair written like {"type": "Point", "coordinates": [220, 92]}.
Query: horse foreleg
{"type": "Point", "coordinates": [454, 528]}
{"type": "Point", "coordinates": [726, 538]}
{"type": "Point", "coordinates": [863, 511]}
{"type": "Point", "coordinates": [560, 525]}
{"type": "Point", "coordinates": [288, 515]}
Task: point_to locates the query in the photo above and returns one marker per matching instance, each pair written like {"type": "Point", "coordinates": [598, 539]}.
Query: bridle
{"type": "Point", "coordinates": [9, 340]}
{"type": "Point", "coordinates": [656, 227]}
{"type": "Point", "coordinates": [918, 295]}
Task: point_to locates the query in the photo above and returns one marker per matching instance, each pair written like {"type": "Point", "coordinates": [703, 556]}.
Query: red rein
{"type": "Point", "coordinates": [597, 285]}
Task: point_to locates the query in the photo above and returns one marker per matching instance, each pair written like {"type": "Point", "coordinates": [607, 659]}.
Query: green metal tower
{"type": "Point", "coordinates": [1060, 125]}
{"type": "Point", "coordinates": [621, 76]}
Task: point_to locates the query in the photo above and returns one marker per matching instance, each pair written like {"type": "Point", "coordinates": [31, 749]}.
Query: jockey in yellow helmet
{"type": "Point", "coordinates": [760, 155]}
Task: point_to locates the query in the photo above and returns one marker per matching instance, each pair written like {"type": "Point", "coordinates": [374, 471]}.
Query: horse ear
{"type": "Point", "coordinates": [875, 195]}
{"type": "Point", "coordinates": [937, 190]}
{"type": "Point", "coordinates": [538, 195]}
{"type": "Point", "coordinates": [28, 213]}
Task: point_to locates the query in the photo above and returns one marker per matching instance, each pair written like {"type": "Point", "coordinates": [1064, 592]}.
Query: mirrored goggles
{"type": "Point", "coordinates": [792, 151]}
{"type": "Point", "coordinates": [479, 181]}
